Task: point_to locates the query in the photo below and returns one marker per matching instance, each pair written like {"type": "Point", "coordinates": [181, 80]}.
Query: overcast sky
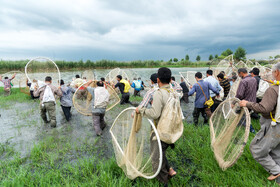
{"type": "Point", "coordinates": [137, 30]}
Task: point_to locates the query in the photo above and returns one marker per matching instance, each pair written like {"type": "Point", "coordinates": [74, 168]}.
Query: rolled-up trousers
{"type": "Point", "coordinates": [265, 147]}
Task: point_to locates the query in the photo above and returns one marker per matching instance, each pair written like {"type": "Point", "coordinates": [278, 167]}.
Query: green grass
{"type": "Point", "coordinates": [55, 161]}
{"type": "Point", "coordinates": [102, 64]}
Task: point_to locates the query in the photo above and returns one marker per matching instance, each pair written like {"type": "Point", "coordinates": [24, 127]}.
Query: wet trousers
{"type": "Point", "coordinates": [265, 147]}
{"type": "Point", "coordinates": [125, 98]}
{"type": "Point", "coordinates": [49, 108]}
{"type": "Point", "coordinates": [7, 92]}
{"type": "Point", "coordinates": [136, 92]}
{"type": "Point", "coordinates": [98, 122]}
{"type": "Point", "coordinates": [185, 97]}
{"type": "Point", "coordinates": [197, 112]}
{"type": "Point", "coordinates": [163, 174]}
{"type": "Point", "coordinates": [67, 112]}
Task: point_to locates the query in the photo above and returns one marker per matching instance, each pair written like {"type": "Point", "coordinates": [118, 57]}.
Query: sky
{"type": "Point", "coordinates": [137, 30]}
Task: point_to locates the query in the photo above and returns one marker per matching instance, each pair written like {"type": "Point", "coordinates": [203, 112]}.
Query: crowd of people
{"type": "Point", "coordinates": [207, 98]}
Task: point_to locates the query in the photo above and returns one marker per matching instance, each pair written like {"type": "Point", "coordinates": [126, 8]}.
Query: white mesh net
{"type": "Point", "coordinates": [41, 67]}
{"type": "Point", "coordinates": [233, 88]}
{"type": "Point", "coordinates": [136, 144]}
{"type": "Point", "coordinates": [240, 64]}
{"type": "Point", "coordinates": [82, 99]}
{"type": "Point", "coordinates": [88, 75]}
{"type": "Point", "coordinates": [189, 77]}
{"type": "Point", "coordinates": [229, 129]}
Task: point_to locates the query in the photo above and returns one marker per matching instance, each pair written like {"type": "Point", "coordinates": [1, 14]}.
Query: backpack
{"type": "Point", "coordinates": [137, 84]}
{"type": "Point", "coordinates": [48, 95]}
{"type": "Point", "coordinates": [263, 85]}
{"type": "Point", "coordinates": [101, 97]}
{"type": "Point", "coordinates": [170, 126]}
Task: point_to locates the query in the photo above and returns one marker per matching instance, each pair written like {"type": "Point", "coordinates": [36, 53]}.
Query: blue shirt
{"type": "Point", "coordinates": [215, 83]}
{"type": "Point", "coordinates": [133, 85]}
{"type": "Point", "coordinates": [67, 94]}
{"type": "Point", "coordinates": [200, 98]}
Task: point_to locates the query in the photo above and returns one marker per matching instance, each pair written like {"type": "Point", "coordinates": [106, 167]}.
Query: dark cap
{"type": "Point", "coordinates": [154, 77]}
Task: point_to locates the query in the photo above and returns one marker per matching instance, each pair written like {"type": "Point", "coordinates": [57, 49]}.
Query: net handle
{"type": "Point", "coordinates": [158, 140]}
{"type": "Point", "coordinates": [25, 69]}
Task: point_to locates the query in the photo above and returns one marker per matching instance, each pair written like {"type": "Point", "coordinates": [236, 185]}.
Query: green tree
{"type": "Point", "coordinates": [187, 58]}
{"type": "Point", "coordinates": [227, 52]}
{"type": "Point", "coordinates": [170, 60]}
{"type": "Point", "coordinates": [198, 58]}
{"type": "Point", "coordinates": [216, 56]}
{"type": "Point", "coordinates": [240, 53]}
{"type": "Point", "coordinates": [211, 57]}
{"type": "Point", "coordinates": [175, 60]}
{"type": "Point", "coordinates": [277, 56]}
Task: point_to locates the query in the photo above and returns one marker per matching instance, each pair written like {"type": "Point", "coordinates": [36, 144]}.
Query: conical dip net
{"type": "Point", "coordinates": [229, 130]}
{"type": "Point", "coordinates": [136, 144]}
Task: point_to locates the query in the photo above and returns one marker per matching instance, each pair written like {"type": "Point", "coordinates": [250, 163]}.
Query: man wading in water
{"type": "Point", "coordinates": [47, 97]}
{"type": "Point", "coordinates": [7, 84]}
{"type": "Point", "coordinates": [265, 147]}
{"type": "Point", "coordinates": [159, 100]}
{"type": "Point", "coordinates": [99, 102]}
{"type": "Point", "coordinates": [124, 87]}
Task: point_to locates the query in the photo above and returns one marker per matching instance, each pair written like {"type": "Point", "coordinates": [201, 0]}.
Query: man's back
{"type": "Point", "coordinates": [200, 98]}
{"type": "Point", "coordinates": [184, 87]}
{"type": "Point", "coordinates": [214, 82]}
{"type": "Point", "coordinates": [226, 86]}
{"type": "Point", "coordinates": [247, 89]}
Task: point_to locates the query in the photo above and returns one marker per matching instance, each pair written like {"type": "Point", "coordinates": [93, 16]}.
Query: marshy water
{"type": "Point", "coordinates": [21, 126]}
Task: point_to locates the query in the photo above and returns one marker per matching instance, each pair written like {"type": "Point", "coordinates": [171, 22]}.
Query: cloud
{"type": "Point", "coordinates": [128, 30]}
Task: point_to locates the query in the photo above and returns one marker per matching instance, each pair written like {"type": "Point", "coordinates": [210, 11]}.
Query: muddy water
{"type": "Point", "coordinates": [21, 126]}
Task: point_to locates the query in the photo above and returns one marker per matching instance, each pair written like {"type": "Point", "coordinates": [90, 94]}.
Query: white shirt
{"type": "Point", "coordinates": [215, 83]}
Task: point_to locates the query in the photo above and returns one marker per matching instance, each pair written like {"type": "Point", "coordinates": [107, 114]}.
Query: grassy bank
{"type": "Point", "coordinates": [102, 64]}
{"type": "Point", "coordinates": [54, 161]}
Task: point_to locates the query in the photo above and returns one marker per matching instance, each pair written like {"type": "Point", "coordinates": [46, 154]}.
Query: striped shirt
{"type": "Point", "coordinates": [226, 86]}
{"type": "Point", "coordinates": [7, 83]}
{"type": "Point", "coordinates": [247, 89]}
{"type": "Point", "coordinates": [148, 98]}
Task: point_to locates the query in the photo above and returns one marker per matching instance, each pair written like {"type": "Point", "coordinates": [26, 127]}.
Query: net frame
{"type": "Point", "coordinates": [81, 110]}
{"type": "Point", "coordinates": [189, 77]}
{"type": "Point", "coordinates": [44, 58]}
{"type": "Point", "coordinates": [89, 74]}
{"type": "Point", "coordinates": [120, 149]}
{"type": "Point", "coordinates": [226, 164]}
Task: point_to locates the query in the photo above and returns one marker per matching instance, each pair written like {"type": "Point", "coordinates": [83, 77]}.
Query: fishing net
{"type": "Point", "coordinates": [250, 64]}
{"type": "Point", "coordinates": [184, 76]}
{"type": "Point", "coordinates": [229, 129]}
{"type": "Point", "coordinates": [88, 75]}
{"type": "Point", "coordinates": [225, 65]}
{"type": "Point", "coordinates": [82, 99]}
{"type": "Point", "coordinates": [189, 77]}
{"type": "Point", "coordinates": [228, 70]}
{"type": "Point", "coordinates": [266, 73]}
{"type": "Point", "coordinates": [39, 68]}
{"type": "Point", "coordinates": [136, 144]}
{"type": "Point", "coordinates": [226, 62]}
{"type": "Point", "coordinates": [240, 64]}
{"type": "Point", "coordinates": [233, 89]}
{"type": "Point", "coordinates": [111, 76]}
